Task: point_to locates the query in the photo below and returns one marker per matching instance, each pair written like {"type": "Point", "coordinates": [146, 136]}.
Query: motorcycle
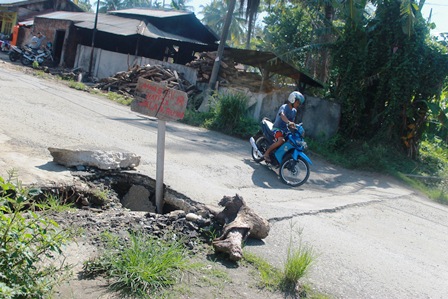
{"type": "Point", "coordinates": [44, 55]}
{"type": "Point", "coordinates": [15, 53]}
{"type": "Point", "coordinates": [5, 45]}
{"type": "Point", "coordinates": [293, 163]}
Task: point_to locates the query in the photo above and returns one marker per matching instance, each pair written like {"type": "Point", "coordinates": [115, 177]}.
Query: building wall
{"type": "Point", "coordinates": [320, 117]}
{"type": "Point", "coordinates": [102, 66]}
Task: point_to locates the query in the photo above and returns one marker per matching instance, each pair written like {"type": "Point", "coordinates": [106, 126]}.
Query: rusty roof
{"type": "Point", "coordinates": [272, 63]}
{"type": "Point", "coordinates": [149, 12]}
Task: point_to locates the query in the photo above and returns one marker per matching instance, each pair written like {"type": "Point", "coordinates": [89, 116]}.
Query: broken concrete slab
{"type": "Point", "coordinates": [105, 160]}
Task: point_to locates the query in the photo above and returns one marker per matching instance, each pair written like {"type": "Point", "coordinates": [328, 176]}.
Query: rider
{"type": "Point", "coordinates": [285, 117]}
{"type": "Point", "coordinates": [36, 41]}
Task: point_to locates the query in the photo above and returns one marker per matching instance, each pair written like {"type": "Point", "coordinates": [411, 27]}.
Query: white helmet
{"type": "Point", "coordinates": [296, 96]}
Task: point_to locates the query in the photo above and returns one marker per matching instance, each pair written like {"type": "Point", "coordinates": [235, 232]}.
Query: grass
{"type": "Point", "coordinates": [427, 174]}
{"type": "Point", "coordinates": [140, 267]}
{"type": "Point", "coordinates": [78, 85]}
{"type": "Point", "coordinates": [299, 259]}
{"type": "Point", "coordinates": [228, 115]}
{"type": "Point", "coordinates": [28, 243]}
{"type": "Point", "coordinates": [53, 203]}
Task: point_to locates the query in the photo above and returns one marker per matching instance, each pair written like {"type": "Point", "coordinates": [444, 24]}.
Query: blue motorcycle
{"type": "Point", "coordinates": [293, 163]}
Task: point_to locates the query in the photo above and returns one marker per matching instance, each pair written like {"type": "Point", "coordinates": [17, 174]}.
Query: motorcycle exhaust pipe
{"type": "Point", "coordinates": [252, 142]}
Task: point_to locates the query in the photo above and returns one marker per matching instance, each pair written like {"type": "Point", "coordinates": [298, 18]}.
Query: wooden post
{"type": "Point", "coordinates": [166, 104]}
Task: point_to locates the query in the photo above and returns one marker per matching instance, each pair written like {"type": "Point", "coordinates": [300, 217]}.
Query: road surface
{"type": "Point", "coordinates": [372, 237]}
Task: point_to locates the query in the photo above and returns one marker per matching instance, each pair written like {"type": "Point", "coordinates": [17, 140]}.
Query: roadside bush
{"type": "Point", "coordinates": [27, 243]}
{"type": "Point", "coordinates": [231, 115]}
{"type": "Point", "coordinates": [228, 115]}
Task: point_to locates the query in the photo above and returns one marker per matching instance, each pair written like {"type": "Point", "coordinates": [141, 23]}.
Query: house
{"type": "Point", "coordinates": [15, 11]}
{"type": "Point", "coordinates": [151, 33]}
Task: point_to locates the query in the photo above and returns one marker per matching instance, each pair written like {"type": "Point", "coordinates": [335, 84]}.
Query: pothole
{"type": "Point", "coordinates": [122, 201]}
{"type": "Point", "coordinates": [133, 191]}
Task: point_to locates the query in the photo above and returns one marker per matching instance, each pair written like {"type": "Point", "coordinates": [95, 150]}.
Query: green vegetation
{"type": "Point", "coordinates": [299, 258]}
{"type": "Point", "coordinates": [427, 173]}
{"type": "Point", "coordinates": [78, 85]}
{"type": "Point", "coordinates": [28, 243]}
{"type": "Point", "coordinates": [141, 266]}
{"type": "Point", "coordinates": [228, 114]}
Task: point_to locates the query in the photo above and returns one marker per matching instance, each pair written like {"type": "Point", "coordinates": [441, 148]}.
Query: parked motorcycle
{"type": "Point", "coordinates": [5, 45]}
{"type": "Point", "coordinates": [15, 53]}
{"type": "Point", "coordinates": [41, 56]}
{"type": "Point", "coordinates": [293, 163]}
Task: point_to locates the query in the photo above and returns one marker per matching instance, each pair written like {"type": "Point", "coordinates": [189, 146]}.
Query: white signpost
{"type": "Point", "coordinates": [154, 99]}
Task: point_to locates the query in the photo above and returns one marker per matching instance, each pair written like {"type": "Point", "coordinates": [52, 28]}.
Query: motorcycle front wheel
{"type": "Point", "coordinates": [294, 173]}
{"type": "Point", "coordinates": [25, 61]}
{"type": "Point", "coordinates": [262, 145]}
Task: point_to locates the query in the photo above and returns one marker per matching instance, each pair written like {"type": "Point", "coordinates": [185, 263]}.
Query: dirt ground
{"type": "Point", "coordinates": [217, 277]}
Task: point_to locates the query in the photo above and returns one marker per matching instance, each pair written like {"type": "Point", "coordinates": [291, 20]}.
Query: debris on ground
{"type": "Point", "coordinates": [126, 82]}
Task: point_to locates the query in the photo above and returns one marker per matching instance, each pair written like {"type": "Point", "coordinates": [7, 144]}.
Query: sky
{"type": "Point", "coordinates": [439, 12]}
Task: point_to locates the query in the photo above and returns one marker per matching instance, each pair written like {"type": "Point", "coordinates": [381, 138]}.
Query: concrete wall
{"type": "Point", "coordinates": [106, 63]}
{"type": "Point", "coordinates": [320, 117]}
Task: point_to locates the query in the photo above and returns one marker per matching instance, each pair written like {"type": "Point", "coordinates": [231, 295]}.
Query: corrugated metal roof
{"type": "Point", "coordinates": [116, 25]}
{"type": "Point", "coordinates": [17, 2]}
{"type": "Point", "coordinates": [150, 12]}
{"type": "Point", "coordinates": [272, 63]}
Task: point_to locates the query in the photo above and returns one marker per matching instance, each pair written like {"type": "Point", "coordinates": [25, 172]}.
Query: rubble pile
{"type": "Point", "coordinates": [229, 74]}
{"type": "Point", "coordinates": [204, 66]}
{"type": "Point", "coordinates": [126, 82]}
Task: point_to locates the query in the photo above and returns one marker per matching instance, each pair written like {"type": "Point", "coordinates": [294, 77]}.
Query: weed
{"type": "Point", "coordinates": [27, 241]}
{"type": "Point", "coordinates": [270, 277]}
{"type": "Point", "coordinates": [228, 115]}
{"type": "Point", "coordinates": [53, 203]}
{"type": "Point", "coordinates": [142, 266]}
{"type": "Point", "coordinates": [78, 85]}
{"type": "Point", "coordinates": [102, 193]}
{"type": "Point", "coordinates": [119, 98]}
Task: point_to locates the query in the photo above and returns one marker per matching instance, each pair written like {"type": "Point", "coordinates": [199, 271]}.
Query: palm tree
{"type": "Point", "coordinates": [181, 5]}
{"type": "Point", "coordinates": [251, 10]}
{"type": "Point", "coordinates": [214, 17]}
{"type": "Point", "coordinates": [110, 5]}
{"type": "Point", "coordinates": [251, 15]}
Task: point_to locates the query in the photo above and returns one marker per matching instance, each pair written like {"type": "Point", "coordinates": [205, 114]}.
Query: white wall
{"type": "Point", "coordinates": [106, 63]}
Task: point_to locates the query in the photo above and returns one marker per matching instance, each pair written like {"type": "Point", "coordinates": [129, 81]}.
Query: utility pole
{"type": "Point", "coordinates": [93, 37]}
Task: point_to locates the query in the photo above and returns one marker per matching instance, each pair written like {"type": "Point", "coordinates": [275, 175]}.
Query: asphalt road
{"type": "Point", "coordinates": [372, 237]}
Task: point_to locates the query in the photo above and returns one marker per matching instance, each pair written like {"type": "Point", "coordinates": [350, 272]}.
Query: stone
{"type": "Point", "coordinates": [192, 217]}
{"type": "Point", "coordinates": [138, 199]}
{"type": "Point", "coordinates": [106, 160]}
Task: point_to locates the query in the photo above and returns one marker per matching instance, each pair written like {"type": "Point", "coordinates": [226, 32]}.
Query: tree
{"type": "Point", "coordinates": [85, 5]}
{"type": "Point", "coordinates": [252, 8]}
{"type": "Point", "coordinates": [181, 5]}
{"type": "Point", "coordinates": [388, 71]}
{"type": "Point", "coordinates": [110, 5]}
{"type": "Point", "coordinates": [288, 33]}
{"type": "Point", "coordinates": [214, 17]}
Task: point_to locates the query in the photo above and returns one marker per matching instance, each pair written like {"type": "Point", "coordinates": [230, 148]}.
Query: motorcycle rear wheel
{"type": "Point", "coordinates": [262, 145]}
{"type": "Point", "coordinates": [13, 56]}
{"type": "Point", "coordinates": [25, 61]}
{"type": "Point", "coordinates": [294, 173]}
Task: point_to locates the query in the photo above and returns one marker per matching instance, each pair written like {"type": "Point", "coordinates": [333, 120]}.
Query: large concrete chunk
{"type": "Point", "coordinates": [95, 158]}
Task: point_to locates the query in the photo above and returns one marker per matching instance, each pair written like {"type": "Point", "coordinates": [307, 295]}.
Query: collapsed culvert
{"type": "Point", "coordinates": [108, 185]}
